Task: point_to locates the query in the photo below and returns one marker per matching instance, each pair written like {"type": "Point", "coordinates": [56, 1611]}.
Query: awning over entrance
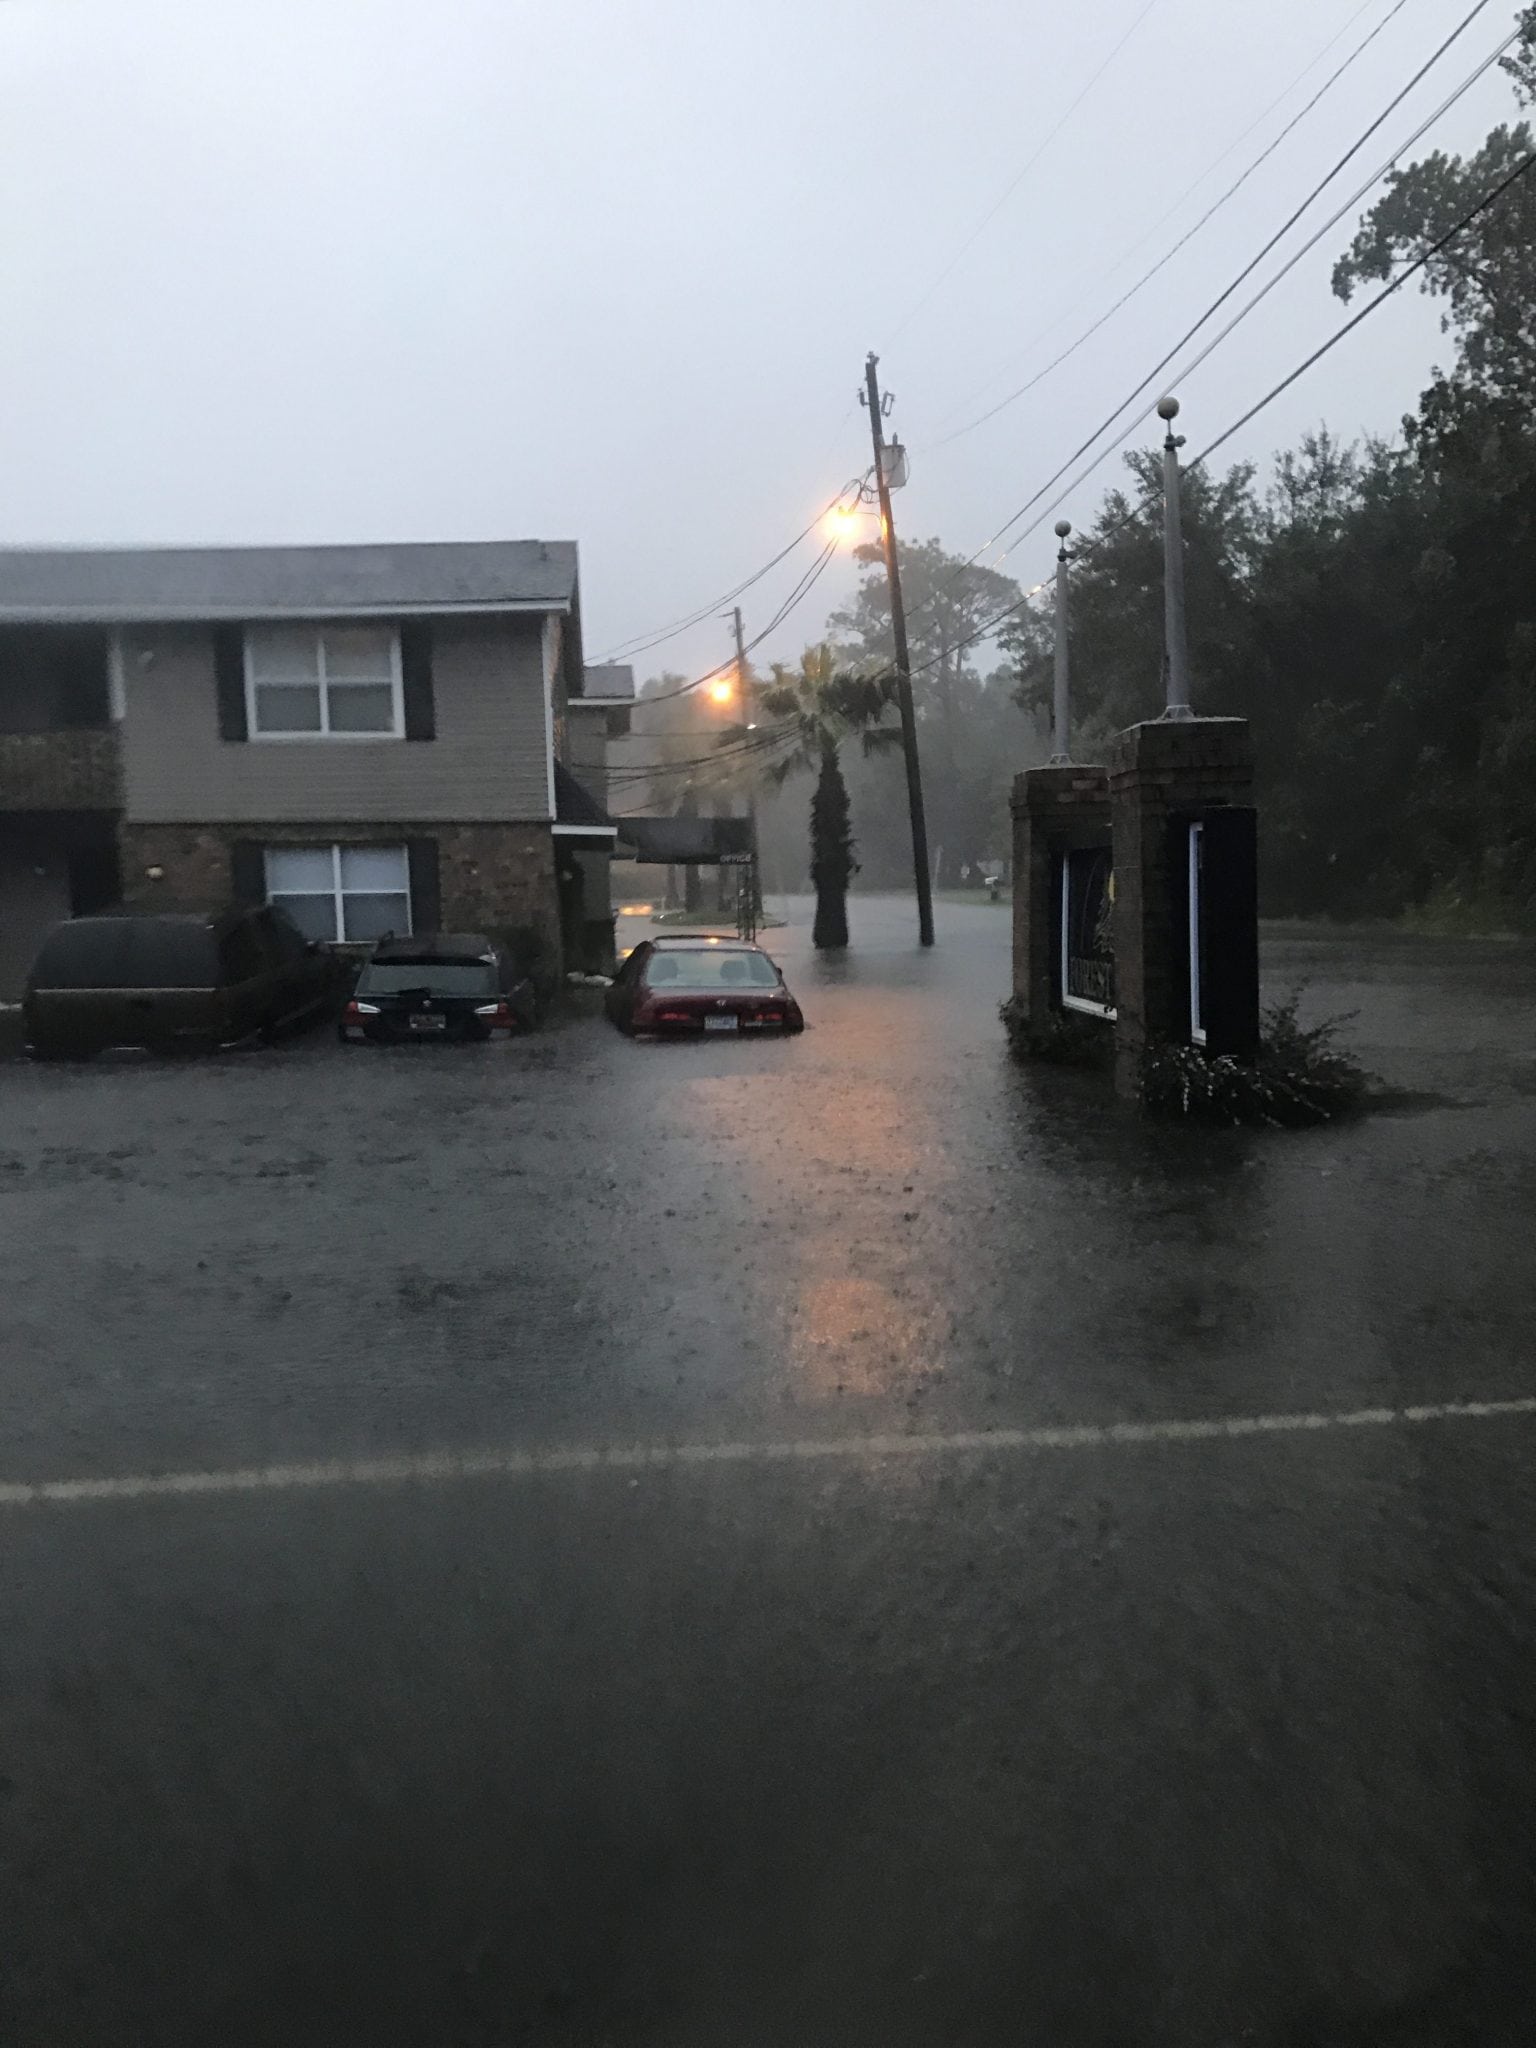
{"type": "Point", "coordinates": [681, 842]}
{"type": "Point", "coordinates": [580, 819]}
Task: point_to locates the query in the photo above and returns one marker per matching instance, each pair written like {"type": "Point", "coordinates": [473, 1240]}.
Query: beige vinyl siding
{"type": "Point", "coordinates": [557, 657]}
{"type": "Point", "coordinates": [586, 752]}
{"type": "Point", "coordinates": [488, 761]}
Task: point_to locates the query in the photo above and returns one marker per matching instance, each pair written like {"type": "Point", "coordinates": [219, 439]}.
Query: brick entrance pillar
{"type": "Point", "coordinates": [1054, 809]}
{"type": "Point", "coordinates": [1163, 775]}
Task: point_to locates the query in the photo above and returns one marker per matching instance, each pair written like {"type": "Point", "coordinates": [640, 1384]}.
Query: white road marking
{"type": "Point", "coordinates": [431, 1467]}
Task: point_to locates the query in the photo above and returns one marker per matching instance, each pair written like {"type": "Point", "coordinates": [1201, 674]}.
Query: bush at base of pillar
{"type": "Point", "coordinates": [1061, 1041]}
{"type": "Point", "coordinates": [1297, 1078]}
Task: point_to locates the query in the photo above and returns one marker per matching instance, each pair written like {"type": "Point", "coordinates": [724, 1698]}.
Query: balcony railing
{"type": "Point", "coordinates": [76, 770]}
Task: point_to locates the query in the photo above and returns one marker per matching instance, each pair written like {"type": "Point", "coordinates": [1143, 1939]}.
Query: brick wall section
{"type": "Point", "coordinates": [492, 877]}
{"type": "Point", "coordinates": [1052, 808]}
{"type": "Point", "coordinates": [79, 770]}
{"type": "Point", "coordinates": [1156, 769]}
{"type": "Point", "coordinates": [495, 877]}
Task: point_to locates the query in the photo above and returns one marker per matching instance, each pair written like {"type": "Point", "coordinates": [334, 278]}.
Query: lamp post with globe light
{"type": "Point", "coordinates": [1175, 627]}
{"type": "Point", "coordinates": [1061, 703]}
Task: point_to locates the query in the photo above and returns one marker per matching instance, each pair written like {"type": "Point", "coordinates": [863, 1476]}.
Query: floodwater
{"type": "Point", "coordinates": [681, 1579]}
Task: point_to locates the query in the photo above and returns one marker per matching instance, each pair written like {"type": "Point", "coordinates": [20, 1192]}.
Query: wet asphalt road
{"type": "Point", "coordinates": [1190, 1739]}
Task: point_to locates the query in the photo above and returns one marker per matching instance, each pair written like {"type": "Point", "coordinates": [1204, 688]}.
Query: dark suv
{"type": "Point", "coordinates": [172, 980]}
{"type": "Point", "coordinates": [440, 986]}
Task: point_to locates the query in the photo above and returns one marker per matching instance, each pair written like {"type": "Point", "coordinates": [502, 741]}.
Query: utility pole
{"type": "Point", "coordinates": [871, 396]}
{"type": "Point", "coordinates": [754, 917]}
{"type": "Point", "coordinates": [1175, 628]}
{"type": "Point", "coordinates": [1061, 706]}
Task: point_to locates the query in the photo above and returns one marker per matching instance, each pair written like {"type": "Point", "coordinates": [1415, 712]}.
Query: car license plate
{"type": "Point", "coordinates": [420, 1023]}
{"type": "Point", "coordinates": [720, 1023]}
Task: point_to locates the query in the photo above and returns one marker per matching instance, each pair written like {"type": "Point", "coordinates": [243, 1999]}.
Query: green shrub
{"type": "Point", "coordinates": [1299, 1076]}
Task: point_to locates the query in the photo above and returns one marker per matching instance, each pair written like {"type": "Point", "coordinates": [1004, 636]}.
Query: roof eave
{"type": "Point", "coordinates": [198, 615]}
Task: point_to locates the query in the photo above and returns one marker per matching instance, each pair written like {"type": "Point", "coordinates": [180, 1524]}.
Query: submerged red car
{"type": "Point", "coordinates": [701, 985]}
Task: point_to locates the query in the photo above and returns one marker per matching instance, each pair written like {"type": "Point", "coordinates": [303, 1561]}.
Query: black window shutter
{"type": "Point", "coordinates": [426, 889]}
{"type": "Point", "coordinates": [247, 872]}
{"type": "Point", "coordinates": [229, 675]}
{"type": "Point", "coordinates": [1229, 954]}
{"type": "Point", "coordinates": [1053, 922]}
{"type": "Point", "coordinates": [416, 679]}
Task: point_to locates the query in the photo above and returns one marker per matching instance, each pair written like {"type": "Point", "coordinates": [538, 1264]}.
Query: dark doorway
{"type": "Point", "coordinates": [53, 865]}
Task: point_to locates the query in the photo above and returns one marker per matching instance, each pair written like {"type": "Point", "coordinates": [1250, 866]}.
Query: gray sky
{"type": "Point", "coordinates": [608, 269]}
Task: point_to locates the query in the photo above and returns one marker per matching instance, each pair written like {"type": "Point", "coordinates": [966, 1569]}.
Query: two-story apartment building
{"type": "Point", "coordinates": [375, 737]}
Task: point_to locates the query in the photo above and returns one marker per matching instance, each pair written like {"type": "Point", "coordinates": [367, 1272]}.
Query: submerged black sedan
{"type": "Point", "coordinates": [436, 987]}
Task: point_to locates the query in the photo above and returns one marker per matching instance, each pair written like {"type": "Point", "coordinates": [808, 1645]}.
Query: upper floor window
{"type": "Point", "coordinates": [307, 682]}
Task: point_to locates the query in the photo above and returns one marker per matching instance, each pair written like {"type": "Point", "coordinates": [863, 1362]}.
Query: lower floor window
{"type": "Point", "coordinates": [342, 892]}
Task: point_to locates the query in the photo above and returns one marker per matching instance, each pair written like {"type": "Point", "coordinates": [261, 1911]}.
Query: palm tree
{"type": "Point", "coordinates": [820, 706]}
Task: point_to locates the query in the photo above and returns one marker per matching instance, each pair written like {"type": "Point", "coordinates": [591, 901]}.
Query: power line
{"type": "Point", "coordinates": [1354, 198]}
{"type": "Point", "coordinates": [644, 644]}
{"type": "Point", "coordinates": [1014, 183]}
{"type": "Point", "coordinates": [1169, 211]}
{"type": "Point", "coordinates": [742, 745]}
{"type": "Point", "coordinates": [1188, 368]}
{"type": "Point", "coordinates": [641, 644]}
{"type": "Point", "coordinates": [1188, 236]}
{"type": "Point", "coordinates": [1285, 227]}
{"type": "Point", "coordinates": [1370, 306]}
{"type": "Point", "coordinates": [801, 589]}
{"type": "Point", "coordinates": [1150, 497]}
{"type": "Point", "coordinates": [1112, 419]}
{"type": "Point", "coordinates": [707, 782]}
{"type": "Point", "coordinates": [811, 577]}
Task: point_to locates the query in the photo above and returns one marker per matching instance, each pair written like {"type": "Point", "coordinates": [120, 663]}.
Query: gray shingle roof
{"type": "Point", "coordinates": [107, 585]}
{"type": "Point", "coordinates": [608, 679]}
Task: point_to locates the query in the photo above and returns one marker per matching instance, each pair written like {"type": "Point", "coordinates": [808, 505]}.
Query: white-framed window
{"type": "Point", "coordinates": [323, 682]}
{"type": "Point", "coordinates": [1086, 953]}
{"type": "Point", "coordinates": [342, 892]}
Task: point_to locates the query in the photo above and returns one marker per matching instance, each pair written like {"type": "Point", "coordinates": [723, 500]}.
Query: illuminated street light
{"type": "Point", "coordinates": [847, 526]}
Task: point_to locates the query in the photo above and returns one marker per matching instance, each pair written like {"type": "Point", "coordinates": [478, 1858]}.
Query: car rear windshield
{"type": "Point", "coordinates": [122, 952]}
{"type": "Point", "coordinates": [441, 977]}
{"type": "Point", "coordinates": [710, 968]}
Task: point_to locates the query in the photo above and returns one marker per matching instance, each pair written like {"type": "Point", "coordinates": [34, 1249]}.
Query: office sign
{"type": "Point", "coordinates": [1087, 944]}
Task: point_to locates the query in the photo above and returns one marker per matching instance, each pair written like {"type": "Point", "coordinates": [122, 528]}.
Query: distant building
{"type": "Point", "coordinates": [600, 714]}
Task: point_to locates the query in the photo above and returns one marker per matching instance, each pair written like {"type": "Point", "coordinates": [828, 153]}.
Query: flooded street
{"type": "Point", "coordinates": [586, 1608]}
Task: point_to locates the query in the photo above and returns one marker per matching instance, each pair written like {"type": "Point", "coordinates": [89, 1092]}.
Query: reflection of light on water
{"type": "Point", "coordinates": [846, 1332]}
{"type": "Point", "coordinates": [863, 1156]}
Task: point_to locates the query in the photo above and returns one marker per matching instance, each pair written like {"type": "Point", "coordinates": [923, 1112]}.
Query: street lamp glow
{"type": "Point", "coordinates": [845, 526]}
